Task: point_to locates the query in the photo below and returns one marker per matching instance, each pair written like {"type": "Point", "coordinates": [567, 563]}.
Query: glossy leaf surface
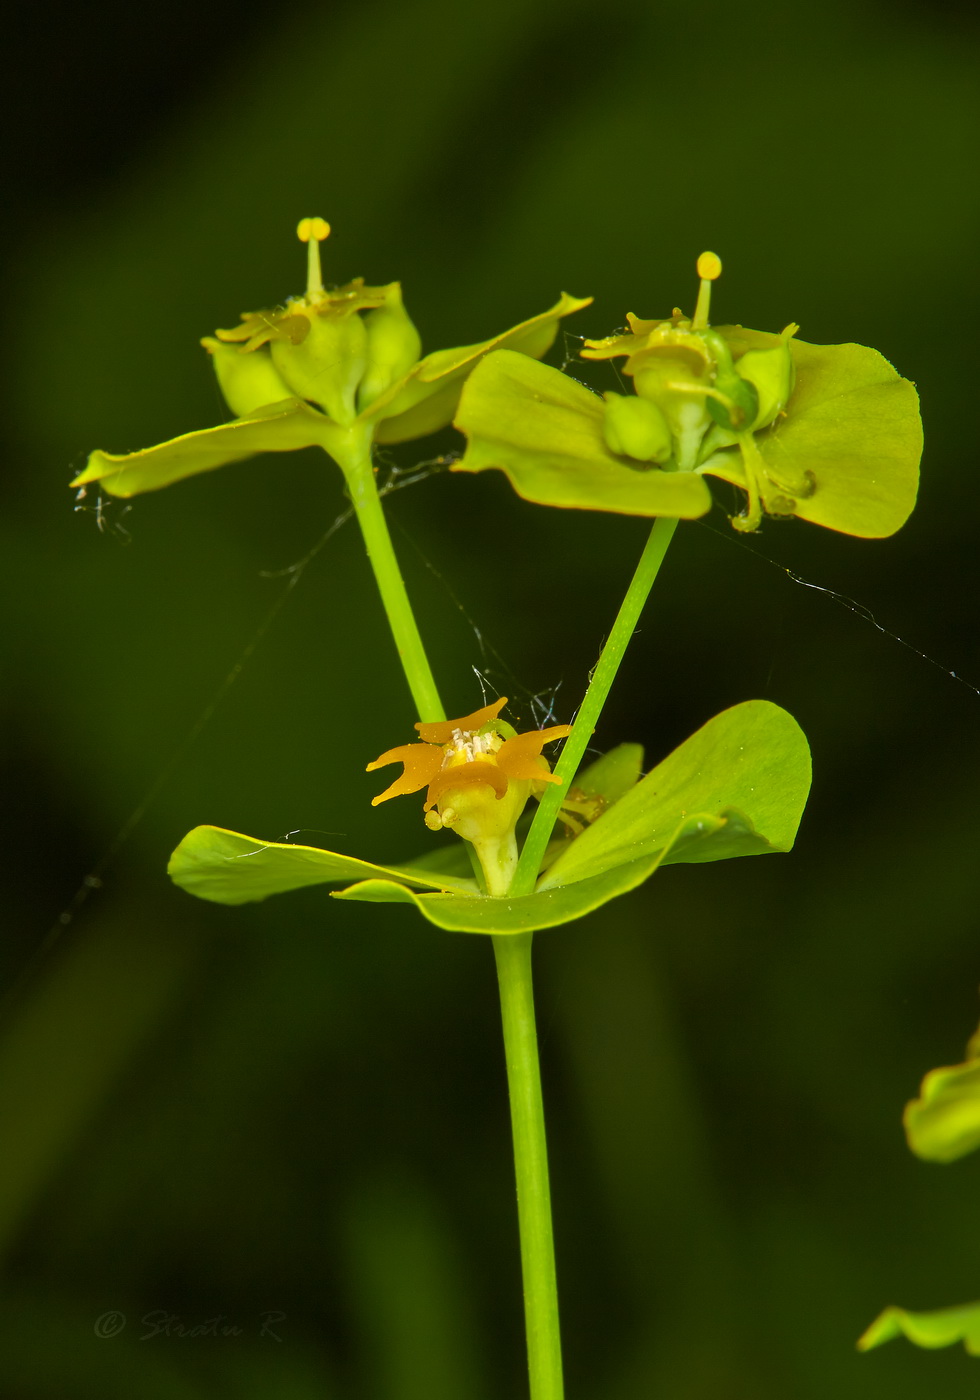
{"type": "Point", "coordinates": [545, 432]}
{"type": "Point", "coordinates": [750, 765]}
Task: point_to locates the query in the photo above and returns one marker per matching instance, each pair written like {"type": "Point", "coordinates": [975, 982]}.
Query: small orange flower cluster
{"type": "Point", "coordinates": [456, 754]}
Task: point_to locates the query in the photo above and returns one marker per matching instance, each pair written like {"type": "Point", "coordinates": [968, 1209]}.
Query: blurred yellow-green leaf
{"type": "Point", "coordinates": [927, 1329]}
{"type": "Point", "coordinates": [943, 1123]}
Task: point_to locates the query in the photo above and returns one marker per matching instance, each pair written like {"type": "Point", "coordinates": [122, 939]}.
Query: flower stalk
{"type": "Point", "coordinates": [595, 698]}
{"type": "Point", "coordinates": [363, 490]}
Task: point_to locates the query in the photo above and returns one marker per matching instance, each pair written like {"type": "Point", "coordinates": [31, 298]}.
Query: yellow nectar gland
{"type": "Point", "coordinates": [313, 232]}
{"type": "Point", "coordinates": [709, 270]}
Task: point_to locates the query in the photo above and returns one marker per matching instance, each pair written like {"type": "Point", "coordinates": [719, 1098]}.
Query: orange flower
{"type": "Point", "coordinates": [461, 753]}
{"type": "Point", "coordinates": [479, 775]}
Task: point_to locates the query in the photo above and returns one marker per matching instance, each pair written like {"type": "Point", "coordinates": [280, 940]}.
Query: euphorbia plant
{"type": "Point", "coordinates": [828, 433]}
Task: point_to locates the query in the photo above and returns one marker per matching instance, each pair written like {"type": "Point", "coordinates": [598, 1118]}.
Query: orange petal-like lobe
{"type": "Point", "coordinates": [421, 761]}
{"type": "Point", "coordinates": [441, 731]}
{"type": "Point", "coordinates": [462, 775]}
{"type": "Point", "coordinates": [520, 757]}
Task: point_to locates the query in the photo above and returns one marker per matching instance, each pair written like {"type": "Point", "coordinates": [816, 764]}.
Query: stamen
{"type": "Point", "coordinates": [312, 232]}
{"type": "Point", "coordinates": [709, 269]}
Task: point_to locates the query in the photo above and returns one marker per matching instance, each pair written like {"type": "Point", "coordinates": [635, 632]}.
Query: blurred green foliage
{"type": "Point", "coordinates": [300, 1107]}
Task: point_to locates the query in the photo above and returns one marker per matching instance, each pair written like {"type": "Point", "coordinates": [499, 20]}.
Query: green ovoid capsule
{"type": "Point", "coordinates": [247, 382]}
{"type": "Point", "coordinates": [635, 427]}
{"type": "Point", "coordinates": [393, 346]}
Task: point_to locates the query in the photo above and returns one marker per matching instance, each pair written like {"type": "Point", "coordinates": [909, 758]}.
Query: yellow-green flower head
{"type": "Point", "coordinates": [826, 433]}
{"type": "Point", "coordinates": [318, 346]}
{"type": "Point", "coordinates": [338, 368]}
{"type": "Point", "coordinates": [688, 375]}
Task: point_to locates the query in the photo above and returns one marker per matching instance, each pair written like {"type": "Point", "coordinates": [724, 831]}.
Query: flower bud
{"type": "Point", "coordinates": [635, 427]}
{"type": "Point", "coordinates": [393, 346]}
{"type": "Point", "coordinates": [247, 381]}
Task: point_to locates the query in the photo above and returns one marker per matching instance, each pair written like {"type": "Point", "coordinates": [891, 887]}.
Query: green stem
{"type": "Point", "coordinates": [513, 955]}
{"type": "Point", "coordinates": [415, 664]}
{"type": "Point", "coordinates": [595, 697]}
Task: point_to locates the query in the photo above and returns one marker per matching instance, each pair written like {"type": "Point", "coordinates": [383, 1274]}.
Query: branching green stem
{"type": "Point", "coordinates": [512, 952]}
{"type": "Point", "coordinates": [513, 955]}
{"type": "Point", "coordinates": [595, 697]}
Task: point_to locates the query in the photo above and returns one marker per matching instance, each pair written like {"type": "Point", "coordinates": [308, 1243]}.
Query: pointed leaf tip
{"type": "Point", "coordinates": [277, 427]}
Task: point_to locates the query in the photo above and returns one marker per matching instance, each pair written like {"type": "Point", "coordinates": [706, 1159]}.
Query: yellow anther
{"type": "Point", "coordinates": [312, 232]}
{"type": "Point", "coordinates": [709, 266]}
{"type": "Point", "coordinates": [314, 228]}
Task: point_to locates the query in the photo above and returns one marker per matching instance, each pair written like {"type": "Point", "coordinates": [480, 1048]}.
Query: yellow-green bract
{"type": "Point", "coordinates": [927, 1329]}
{"type": "Point", "coordinates": [737, 787]}
{"type": "Point", "coordinates": [844, 454]}
{"type": "Point", "coordinates": [420, 401]}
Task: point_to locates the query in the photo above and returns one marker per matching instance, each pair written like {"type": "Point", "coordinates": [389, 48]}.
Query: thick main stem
{"type": "Point", "coordinates": [513, 955]}
{"type": "Point", "coordinates": [595, 697]}
{"type": "Point", "coordinates": [411, 652]}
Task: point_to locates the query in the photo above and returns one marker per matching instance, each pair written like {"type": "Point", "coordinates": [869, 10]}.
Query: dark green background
{"type": "Point", "coordinates": [300, 1106]}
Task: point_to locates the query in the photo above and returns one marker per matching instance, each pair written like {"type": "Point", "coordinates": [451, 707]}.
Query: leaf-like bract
{"type": "Point", "coordinates": [278, 427]}
{"type": "Point", "coordinates": [749, 765]}
{"type": "Point", "coordinates": [544, 431]}
{"type": "Point", "coordinates": [736, 787]}
{"type": "Point", "coordinates": [231, 868]}
{"type": "Point", "coordinates": [851, 435]}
